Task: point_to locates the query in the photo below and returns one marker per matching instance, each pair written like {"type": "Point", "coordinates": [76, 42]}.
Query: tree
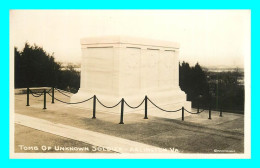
{"type": "Point", "coordinates": [193, 81]}
{"type": "Point", "coordinates": [17, 68]}
{"type": "Point", "coordinates": [34, 67]}
{"type": "Point", "coordinates": [69, 79]}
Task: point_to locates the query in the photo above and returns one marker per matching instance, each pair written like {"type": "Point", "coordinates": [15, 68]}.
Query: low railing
{"type": "Point", "coordinates": [122, 102]}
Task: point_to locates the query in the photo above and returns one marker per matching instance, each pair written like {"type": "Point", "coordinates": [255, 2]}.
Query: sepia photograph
{"type": "Point", "coordinates": [130, 84]}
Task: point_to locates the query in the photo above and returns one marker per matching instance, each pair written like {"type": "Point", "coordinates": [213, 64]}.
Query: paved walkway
{"type": "Point", "coordinates": [98, 139]}
{"type": "Point", "coordinates": [196, 134]}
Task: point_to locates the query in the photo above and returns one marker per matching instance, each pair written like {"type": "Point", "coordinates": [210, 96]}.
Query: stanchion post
{"type": "Point", "coordinates": [198, 109]}
{"type": "Point", "coordinates": [220, 114]}
{"type": "Point", "coordinates": [44, 99]}
{"type": "Point", "coordinates": [52, 95]}
{"type": "Point", "coordinates": [28, 92]}
{"type": "Point", "coordinates": [182, 113]}
{"type": "Point", "coordinates": [209, 111]}
{"type": "Point", "coordinates": [122, 111]}
{"type": "Point", "coordinates": [145, 108]}
{"type": "Point", "coordinates": [94, 107]}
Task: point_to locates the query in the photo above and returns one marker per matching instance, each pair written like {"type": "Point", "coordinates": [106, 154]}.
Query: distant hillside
{"type": "Point", "coordinates": [223, 69]}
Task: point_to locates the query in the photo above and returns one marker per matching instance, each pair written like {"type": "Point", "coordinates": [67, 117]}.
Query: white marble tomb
{"type": "Point", "coordinates": [116, 67]}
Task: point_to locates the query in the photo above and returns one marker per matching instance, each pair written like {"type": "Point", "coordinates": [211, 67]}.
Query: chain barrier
{"type": "Point", "coordinates": [163, 109]}
{"type": "Point", "coordinates": [122, 102]}
{"type": "Point", "coordinates": [72, 103]}
{"type": "Point", "coordinates": [190, 111]}
{"type": "Point", "coordinates": [62, 92]}
{"type": "Point", "coordinates": [48, 91]}
{"type": "Point", "coordinates": [201, 111]}
{"type": "Point", "coordinates": [35, 94]}
{"type": "Point", "coordinates": [193, 112]}
{"type": "Point", "coordinates": [108, 106]}
{"type": "Point", "coordinates": [135, 106]}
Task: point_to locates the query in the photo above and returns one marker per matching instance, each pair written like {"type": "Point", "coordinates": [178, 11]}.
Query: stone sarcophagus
{"type": "Point", "coordinates": [117, 67]}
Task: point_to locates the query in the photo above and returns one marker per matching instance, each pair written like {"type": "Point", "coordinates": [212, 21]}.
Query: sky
{"type": "Point", "coordinates": [209, 37]}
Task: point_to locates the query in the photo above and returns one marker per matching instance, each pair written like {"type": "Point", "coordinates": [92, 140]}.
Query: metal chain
{"type": "Point", "coordinates": [201, 111]}
{"type": "Point", "coordinates": [163, 109]}
{"type": "Point", "coordinates": [195, 112]}
{"type": "Point", "coordinates": [135, 106]}
{"type": "Point", "coordinates": [34, 94]}
{"type": "Point", "coordinates": [108, 106]}
{"type": "Point", "coordinates": [62, 92]}
{"type": "Point", "coordinates": [37, 93]}
{"type": "Point", "coordinates": [72, 103]}
{"type": "Point", "coordinates": [114, 105]}
{"type": "Point", "coordinates": [48, 91]}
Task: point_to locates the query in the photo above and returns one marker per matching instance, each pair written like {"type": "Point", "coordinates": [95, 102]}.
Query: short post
{"type": "Point", "coordinates": [198, 110]}
{"type": "Point", "coordinates": [145, 108]}
{"type": "Point", "coordinates": [94, 107]}
{"type": "Point", "coordinates": [28, 97]}
{"type": "Point", "coordinates": [182, 112]}
{"type": "Point", "coordinates": [52, 95]}
{"type": "Point", "coordinates": [209, 111]}
{"type": "Point", "coordinates": [220, 114]}
{"type": "Point", "coordinates": [122, 111]}
{"type": "Point", "coordinates": [44, 99]}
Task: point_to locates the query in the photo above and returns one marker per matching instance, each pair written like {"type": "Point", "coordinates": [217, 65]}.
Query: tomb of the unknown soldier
{"type": "Point", "coordinates": [116, 67]}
